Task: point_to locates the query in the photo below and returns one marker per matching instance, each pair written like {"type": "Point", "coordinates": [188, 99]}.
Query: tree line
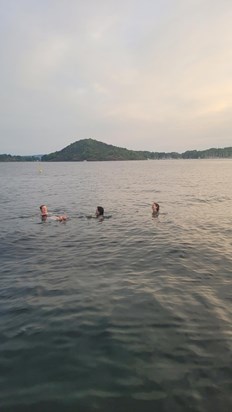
{"type": "Point", "coordinates": [92, 150]}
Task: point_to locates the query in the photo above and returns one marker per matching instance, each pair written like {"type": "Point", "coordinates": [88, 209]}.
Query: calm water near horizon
{"type": "Point", "coordinates": [130, 314]}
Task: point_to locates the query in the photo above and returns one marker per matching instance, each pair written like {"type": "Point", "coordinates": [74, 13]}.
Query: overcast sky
{"type": "Point", "coordinates": [143, 74]}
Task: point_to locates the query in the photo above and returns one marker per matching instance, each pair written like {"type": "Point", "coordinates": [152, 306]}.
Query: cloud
{"type": "Point", "coordinates": [152, 74]}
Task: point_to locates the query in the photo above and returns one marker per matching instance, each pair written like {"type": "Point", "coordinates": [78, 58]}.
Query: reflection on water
{"type": "Point", "coordinates": [130, 314]}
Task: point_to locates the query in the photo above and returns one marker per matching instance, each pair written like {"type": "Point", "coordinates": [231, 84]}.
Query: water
{"type": "Point", "coordinates": [131, 314]}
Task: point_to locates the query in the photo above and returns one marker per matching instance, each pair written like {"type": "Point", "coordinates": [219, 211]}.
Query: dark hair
{"type": "Point", "coordinates": [158, 206]}
{"type": "Point", "coordinates": [100, 210]}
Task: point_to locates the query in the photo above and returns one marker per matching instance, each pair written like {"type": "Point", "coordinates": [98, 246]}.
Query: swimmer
{"type": "Point", "coordinates": [44, 211]}
{"type": "Point", "coordinates": [44, 215]}
{"type": "Point", "coordinates": [99, 211]}
{"type": "Point", "coordinates": [155, 209]}
{"type": "Point", "coordinates": [99, 214]}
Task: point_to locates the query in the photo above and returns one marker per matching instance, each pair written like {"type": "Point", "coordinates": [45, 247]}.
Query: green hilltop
{"type": "Point", "coordinates": [93, 150]}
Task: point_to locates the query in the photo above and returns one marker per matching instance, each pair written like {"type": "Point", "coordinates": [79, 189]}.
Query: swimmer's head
{"type": "Point", "coordinates": [44, 210]}
{"type": "Point", "coordinates": [99, 211]}
{"type": "Point", "coordinates": [155, 207]}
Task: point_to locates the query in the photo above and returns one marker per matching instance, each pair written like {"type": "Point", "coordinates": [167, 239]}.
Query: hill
{"type": "Point", "coordinates": [92, 150]}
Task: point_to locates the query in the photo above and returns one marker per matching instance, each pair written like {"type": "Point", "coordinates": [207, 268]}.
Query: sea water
{"type": "Point", "coordinates": [133, 313]}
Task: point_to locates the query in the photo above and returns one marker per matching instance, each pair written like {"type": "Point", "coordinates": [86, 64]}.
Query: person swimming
{"type": "Point", "coordinates": [44, 211]}
{"type": "Point", "coordinates": [44, 215]}
{"type": "Point", "coordinates": [99, 214]}
{"type": "Point", "coordinates": [99, 211]}
{"type": "Point", "coordinates": [155, 209]}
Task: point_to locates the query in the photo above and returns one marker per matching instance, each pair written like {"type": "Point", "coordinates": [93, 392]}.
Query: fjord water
{"type": "Point", "coordinates": [129, 314]}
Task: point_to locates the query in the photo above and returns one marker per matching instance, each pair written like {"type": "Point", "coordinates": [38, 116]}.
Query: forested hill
{"type": "Point", "coordinates": [93, 150]}
{"type": "Point", "coordinates": [208, 154]}
{"type": "Point", "coordinates": [89, 149]}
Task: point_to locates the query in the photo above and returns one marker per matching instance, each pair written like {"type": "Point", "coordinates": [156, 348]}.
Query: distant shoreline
{"type": "Point", "coordinates": [94, 151]}
{"type": "Point", "coordinates": [102, 161]}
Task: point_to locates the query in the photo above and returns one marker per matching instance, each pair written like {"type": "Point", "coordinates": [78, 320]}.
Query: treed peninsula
{"type": "Point", "coordinates": [93, 150]}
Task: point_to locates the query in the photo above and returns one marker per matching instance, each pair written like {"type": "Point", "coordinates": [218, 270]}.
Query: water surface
{"type": "Point", "coordinates": [130, 314]}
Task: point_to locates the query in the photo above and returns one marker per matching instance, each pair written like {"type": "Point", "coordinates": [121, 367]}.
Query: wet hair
{"type": "Point", "coordinates": [44, 212]}
{"type": "Point", "coordinates": [157, 206]}
{"type": "Point", "coordinates": [100, 210]}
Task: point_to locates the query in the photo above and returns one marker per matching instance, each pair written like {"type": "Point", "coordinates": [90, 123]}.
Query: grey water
{"type": "Point", "coordinates": [133, 313]}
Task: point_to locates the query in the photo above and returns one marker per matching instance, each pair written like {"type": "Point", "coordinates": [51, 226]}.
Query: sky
{"type": "Point", "coordinates": [142, 74]}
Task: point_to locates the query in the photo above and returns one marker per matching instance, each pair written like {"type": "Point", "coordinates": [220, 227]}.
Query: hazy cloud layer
{"type": "Point", "coordinates": [152, 74]}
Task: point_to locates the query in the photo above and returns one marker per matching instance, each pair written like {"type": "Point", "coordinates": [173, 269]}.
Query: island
{"type": "Point", "coordinates": [94, 150]}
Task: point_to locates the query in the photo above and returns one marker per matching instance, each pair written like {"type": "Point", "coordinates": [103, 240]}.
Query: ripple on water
{"type": "Point", "coordinates": [131, 314]}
